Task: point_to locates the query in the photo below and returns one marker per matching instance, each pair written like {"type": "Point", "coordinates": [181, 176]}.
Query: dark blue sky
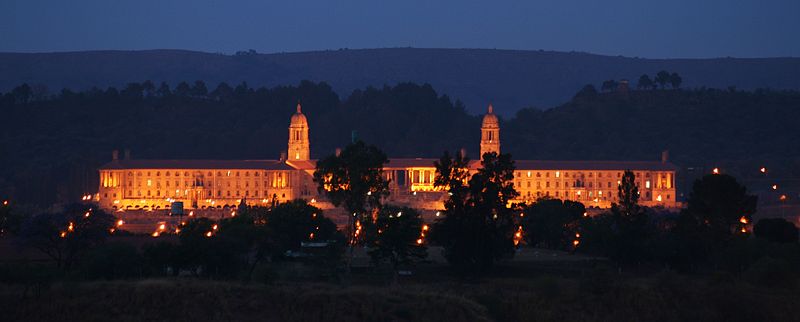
{"type": "Point", "coordinates": [656, 29]}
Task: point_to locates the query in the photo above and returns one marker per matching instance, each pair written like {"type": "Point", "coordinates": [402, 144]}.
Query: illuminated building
{"type": "Point", "coordinates": [133, 184]}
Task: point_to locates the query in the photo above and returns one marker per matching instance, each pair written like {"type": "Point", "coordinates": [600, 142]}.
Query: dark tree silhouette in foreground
{"type": "Point", "coordinates": [644, 82]}
{"type": "Point", "coordinates": [397, 237]}
{"type": "Point", "coordinates": [777, 230]}
{"type": "Point", "coordinates": [67, 234]}
{"type": "Point", "coordinates": [354, 179]}
{"type": "Point", "coordinates": [552, 223]}
{"type": "Point", "coordinates": [478, 228]}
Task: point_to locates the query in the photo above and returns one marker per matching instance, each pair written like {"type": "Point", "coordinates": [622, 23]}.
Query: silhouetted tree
{"type": "Point", "coordinates": [477, 229]}
{"type": "Point", "coordinates": [149, 88]}
{"type": "Point", "coordinates": [199, 89]}
{"type": "Point", "coordinates": [644, 83]}
{"type": "Point", "coordinates": [65, 235]}
{"type": "Point", "coordinates": [396, 237]}
{"type": "Point", "coordinates": [588, 91]}
{"type": "Point", "coordinates": [183, 90]}
{"type": "Point", "coordinates": [133, 91]}
{"type": "Point", "coordinates": [777, 230]}
{"type": "Point", "coordinates": [675, 80]}
{"type": "Point", "coordinates": [295, 222]}
{"type": "Point", "coordinates": [223, 91]}
{"type": "Point", "coordinates": [354, 179]}
{"type": "Point", "coordinates": [22, 94]}
{"type": "Point", "coordinates": [552, 223]}
{"type": "Point", "coordinates": [163, 90]}
{"type": "Point", "coordinates": [624, 233]}
{"type": "Point", "coordinates": [662, 78]}
{"type": "Point", "coordinates": [241, 89]}
{"type": "Point", "coordinates": [628, 195]}
{"type": "Point", "coordinates": [718, 202]}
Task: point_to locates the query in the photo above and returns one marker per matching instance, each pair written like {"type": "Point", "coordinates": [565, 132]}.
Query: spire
{"type": "Point", "coordinates": [491, 109]}
{"type": "Point", "coordinates": [299, 111]}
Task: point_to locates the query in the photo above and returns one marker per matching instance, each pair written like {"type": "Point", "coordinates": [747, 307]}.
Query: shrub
{"type": "Point", "coordinates": [777, 230]}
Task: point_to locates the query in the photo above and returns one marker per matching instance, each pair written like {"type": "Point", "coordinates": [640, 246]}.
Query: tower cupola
{"type": "Point", "coordinates": [299, 147]}
{"type": "Point", "coordinates": [490, 133]}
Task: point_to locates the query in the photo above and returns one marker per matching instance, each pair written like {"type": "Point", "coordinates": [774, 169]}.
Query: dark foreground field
{"type": "Point", "coordinates": [595, 296]}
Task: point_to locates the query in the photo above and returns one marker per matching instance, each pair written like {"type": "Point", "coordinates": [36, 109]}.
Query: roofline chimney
{"type": "Point", "coordinates": [665, 156]}
{"type": "Point", "coordinates": [127, 154]}
{"type": "Point", "coordinates": [115, 155]}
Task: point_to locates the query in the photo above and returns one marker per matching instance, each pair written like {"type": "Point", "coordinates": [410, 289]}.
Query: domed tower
{"type": "Point", "coordinates": [299, 147]}
{"type": "Point", "coordinates": [490, 133]}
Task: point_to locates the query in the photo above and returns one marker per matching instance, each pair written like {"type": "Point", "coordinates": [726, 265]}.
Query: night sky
{"type": "Point", "coordinates": [653, 29]}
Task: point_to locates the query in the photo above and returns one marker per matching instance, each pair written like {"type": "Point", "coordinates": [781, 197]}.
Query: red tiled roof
{"type": "Point", "coordinates": [393, 164]}
{"type": "Point", "coordinates": [302, 165]}
{"type": "Point", "coordinates": [410, 163]}
{"type": "Point", "coordinates": [594, 165]}
{"type": "Point", "coordinates": [197, 164]}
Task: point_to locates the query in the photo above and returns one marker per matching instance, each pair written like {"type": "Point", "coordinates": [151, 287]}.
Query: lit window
{"type": "Point", "coordinates": [558, 174]}
{"type": "Point", "coordinates": [647, 184]}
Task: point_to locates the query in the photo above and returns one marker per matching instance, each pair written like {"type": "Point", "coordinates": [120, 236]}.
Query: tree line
{"type": "Point", "coordinates": [660, 80]}
{"type": "Point", "coordinates": [53, 144]}
{"type": "Point", "coordinates": [478, 228]}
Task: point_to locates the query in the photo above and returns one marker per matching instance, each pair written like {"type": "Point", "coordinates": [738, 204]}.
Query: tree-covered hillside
{"type": "Point", "coordinates": [50, 147]}
{"type": "Point", "coordinates": [512, 79]}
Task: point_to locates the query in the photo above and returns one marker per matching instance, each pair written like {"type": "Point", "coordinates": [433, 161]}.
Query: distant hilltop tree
{"type": "Point", "coordinates": [661, 79]}
{"type": "Point", "coordinates": [645, 83]}
{"type": "Point", "coordinates": [248, 52]}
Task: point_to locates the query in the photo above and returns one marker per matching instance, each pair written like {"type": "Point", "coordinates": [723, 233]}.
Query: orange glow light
{"type": "Point", "coordinates": [208, 234]}
{"type": "Point", "coordinates": [419, 241]}
{"type": "Point", "coordinates": [715, 171]}
{"type": "Point", "coordinates": [743, 220]}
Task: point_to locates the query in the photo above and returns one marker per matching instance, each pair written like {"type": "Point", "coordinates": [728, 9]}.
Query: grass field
{"type": "Point", "coordinates": [514, 294]}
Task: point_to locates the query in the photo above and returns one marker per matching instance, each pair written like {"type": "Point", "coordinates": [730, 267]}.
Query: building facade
{"type": "Point", "coordinates": [131, 184]}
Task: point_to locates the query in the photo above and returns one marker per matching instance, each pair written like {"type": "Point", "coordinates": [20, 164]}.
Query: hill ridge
{"type": "Point", "coordinates": [511, 79]}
